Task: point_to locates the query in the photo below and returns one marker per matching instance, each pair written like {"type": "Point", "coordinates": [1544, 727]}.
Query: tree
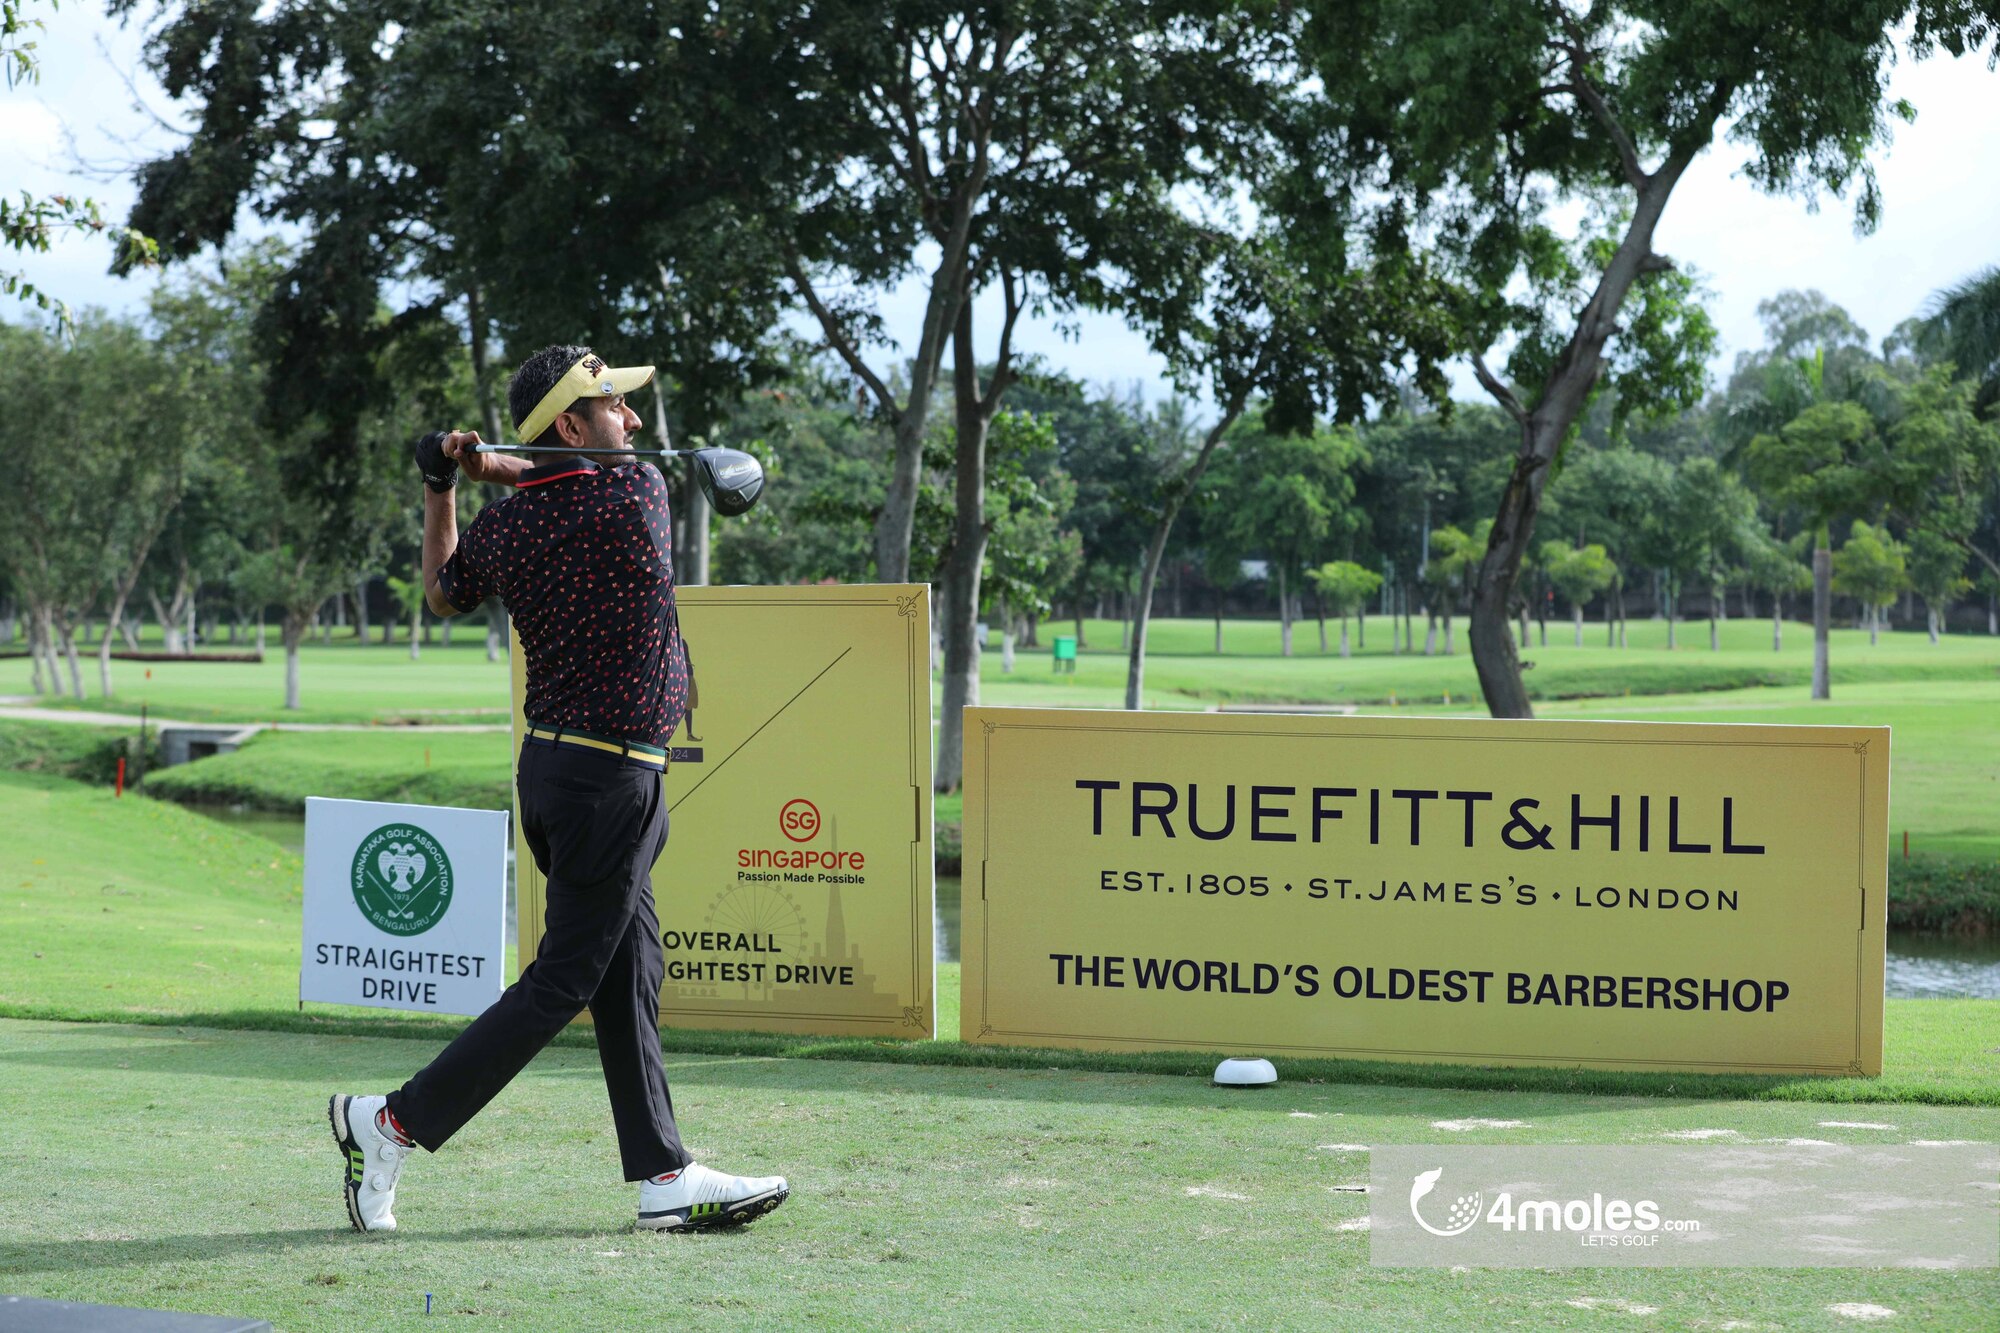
{"type": "Point", "coordinates": [1936, 568]}
{"type": "Point", "coordinates": [1304, 331]}
{"type": "Point", "coordinates": [1348, 586]}
{"type": "Point", "coordinates": [399, 146]}
{"type": "Point", "coordinates": [1579, 574]}
{"type": "Point", "coordinates": [1288, 498]}
{"type": "Point", "coordinates": [1815, 464]}
{"type": "Point", "coordinates": [30, 224]}
{"type": "Point", "coordinates": [1482, 125]}
{"type": "Point", "coordinates": [308, 512]}
{"type": "Point", "coordinates": [149, 432]}
{"type": "Point", "coordinates": [1774, 567]}
{"type": "Point", "coordinates": [1870, 568]}
{"type": "Point", "coordinates": [1029, 551]}
{"type": "Point", "coordinates": [1702, 531]}
{"type": "Point", "coordinates": [1045, 154]}
{"type": "Point", "coordinates": [49, 545]}
{"type": "Point", "coordinates": [1963, 327]}
{"type": "Point", "coordinates": [1454, 554]}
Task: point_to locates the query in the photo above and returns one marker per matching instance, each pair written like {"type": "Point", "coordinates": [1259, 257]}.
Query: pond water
{"type": "Point", "coordinates": [1919, 966]}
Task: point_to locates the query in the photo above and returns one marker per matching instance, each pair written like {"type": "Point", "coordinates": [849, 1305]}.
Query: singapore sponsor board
{"type": "Point", "coordinates": [794, 892]}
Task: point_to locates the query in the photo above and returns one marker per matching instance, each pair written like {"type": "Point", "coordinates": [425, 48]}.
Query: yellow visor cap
{"type": "Point", "coordinates": [588, 378]}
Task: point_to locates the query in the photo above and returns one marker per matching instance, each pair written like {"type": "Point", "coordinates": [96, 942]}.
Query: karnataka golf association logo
{"type": "Point", "coordinates": [401, 879]}
{"type": "Point", "coordinates": [1464, 1213]}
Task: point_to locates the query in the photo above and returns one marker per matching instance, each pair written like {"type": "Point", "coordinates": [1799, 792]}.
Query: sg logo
{"type": "Point", "coordinates": [799, 820]}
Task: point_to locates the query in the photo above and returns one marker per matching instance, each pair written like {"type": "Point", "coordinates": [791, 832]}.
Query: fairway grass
{"type": "Point", "coordinates": [349, 682]}
{"type": "Point", "coordinates": [192, 1169]}
{"type": "Point", "coordinates": [277, 770]}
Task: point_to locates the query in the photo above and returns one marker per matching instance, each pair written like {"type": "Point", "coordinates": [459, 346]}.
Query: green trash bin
{"type": "Point", "coordinates": [1065, 653]}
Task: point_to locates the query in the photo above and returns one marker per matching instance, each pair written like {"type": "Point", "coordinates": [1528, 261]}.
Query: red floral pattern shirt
{"type": "Point", "coordinates": [583, 559]}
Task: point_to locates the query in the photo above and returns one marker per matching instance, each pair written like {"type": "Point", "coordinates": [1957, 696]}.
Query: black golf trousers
{"type": "Point", "coordinates": [595, 823]}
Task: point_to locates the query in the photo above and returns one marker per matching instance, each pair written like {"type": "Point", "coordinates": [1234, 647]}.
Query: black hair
{"type": "Point", "coordinates": [537, 375]}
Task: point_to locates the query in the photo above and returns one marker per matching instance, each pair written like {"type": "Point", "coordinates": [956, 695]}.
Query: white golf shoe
{"type": "Point", "coordinates": [699, 1197]}
{"type": "Point", "coordinates": [372, 1159]}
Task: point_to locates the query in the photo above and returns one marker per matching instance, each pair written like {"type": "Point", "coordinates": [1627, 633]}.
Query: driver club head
{"type": "Point", "coordinates": [731, 479]}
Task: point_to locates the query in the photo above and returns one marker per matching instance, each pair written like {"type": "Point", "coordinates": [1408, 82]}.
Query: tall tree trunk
{"type": "Point", "coordinates": [1576, 609]}
{"type": "Point", "coordinates": [1714, 631]}
{"type": "Point", "coordinates": [1777, 623]}
{"type": "Point", "coordinates": [1006, 619]}
{"type": "Point", "coordinates": [1284, 613]}
{"type": "Point", "coordinates": [1559, 402]}
{"type": "Point", "coordinates": [1822, 568]}
{"type": "Point", "coordinates": [973, 413]}
{"type": "Point", "coordinates": [1430, 631]}
{"type": "Point", "coordinates": [361, 609]}
{"type": "Point", "coordinates": [1874, 625]}
{"type": "Point", "coordinates": [1931, 621]}
{"type": "Point", "coordinates": [1175, 495]}
{"type": "Point", "coordinates": [1343, 632]}
{"type": "Point", "coordinates": [940, 617]}
{"type": "Point", "coordinates": [121, 592]}
{"type": "Point", "coordinates": [68, 632]}
{"type": "Point", "coordinates": [41, 647]}
{"type": "Point", "coordinates": [1450, 611]}
{"type": "Point", "coordinates": [35, 650]}
{"type": "Point", "coordinates": [1319, 612]}
{"type": "Point", "coordinates": [294, 631]}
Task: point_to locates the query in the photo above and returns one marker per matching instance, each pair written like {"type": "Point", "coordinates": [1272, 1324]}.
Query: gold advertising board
{"type": "Point", "coordinates": [794, 894]}
{"type": "Point", "coordinates": [1603, 894]}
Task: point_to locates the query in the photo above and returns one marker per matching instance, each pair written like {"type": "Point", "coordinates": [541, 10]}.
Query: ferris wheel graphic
{"type": "Point", "coordinates": [764, 911]}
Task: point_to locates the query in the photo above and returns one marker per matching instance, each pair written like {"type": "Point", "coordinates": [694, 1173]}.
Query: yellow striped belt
{"type": "Point", "coordinates": [645, 754]}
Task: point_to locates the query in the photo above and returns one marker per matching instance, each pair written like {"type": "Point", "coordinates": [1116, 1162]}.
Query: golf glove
{"type": "Point", "coordinates": [440, 472]}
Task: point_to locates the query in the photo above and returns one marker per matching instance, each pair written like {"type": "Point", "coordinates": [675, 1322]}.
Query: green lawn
{"type": "Point", "coordinates": [350, 682]}
{"type": "Point", "coordinates": [1183, 671]}
{"type": "Point", "coordinates": [1944, 755]}
{"type": "Point", "coordinates": [278, 770]}
{"type": "Point", "coordinates": [202, 1178]}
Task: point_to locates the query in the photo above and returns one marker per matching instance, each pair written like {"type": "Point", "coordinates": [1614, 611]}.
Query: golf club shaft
{"type": "Point", "coordinates": [565, 449]}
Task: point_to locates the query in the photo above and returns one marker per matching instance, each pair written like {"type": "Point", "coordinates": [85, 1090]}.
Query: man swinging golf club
{"type": "Point", "coordinates": [582, 557]}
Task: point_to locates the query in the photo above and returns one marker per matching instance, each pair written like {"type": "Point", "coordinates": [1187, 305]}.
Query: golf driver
{"type": "Point", "coordinates": [731, 479]}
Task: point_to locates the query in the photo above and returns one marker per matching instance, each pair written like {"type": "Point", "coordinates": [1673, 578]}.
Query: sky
{"type": "Point", "coordinates": [1940, 180]}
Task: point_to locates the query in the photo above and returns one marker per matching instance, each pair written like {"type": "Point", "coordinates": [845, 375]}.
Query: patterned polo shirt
{"type": "Point", "coordinates": [582, 558]}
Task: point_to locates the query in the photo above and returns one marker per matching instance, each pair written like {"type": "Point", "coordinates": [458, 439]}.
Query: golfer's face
{"type": "Point", "coordinates": [608, 425]}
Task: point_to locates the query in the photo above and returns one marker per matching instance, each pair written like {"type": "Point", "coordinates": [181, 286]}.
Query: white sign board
{"type": "Point", "coordinates": [405, 906]}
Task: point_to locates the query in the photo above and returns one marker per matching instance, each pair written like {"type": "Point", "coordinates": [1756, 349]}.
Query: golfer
{"type": "Point", "coordinates": [581, 555]}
